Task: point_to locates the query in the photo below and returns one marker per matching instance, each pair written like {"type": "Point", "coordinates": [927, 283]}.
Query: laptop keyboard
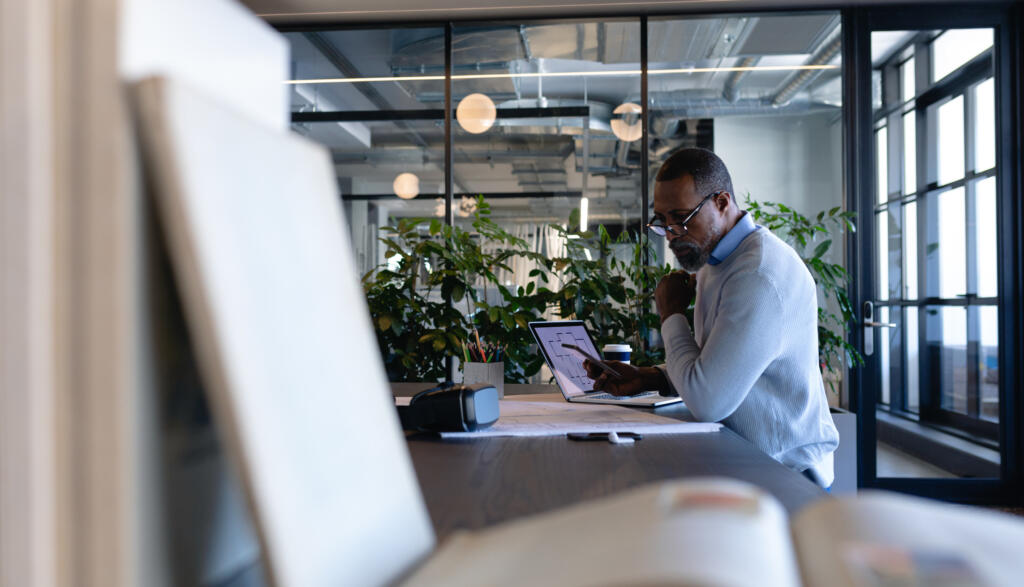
{"type": "Point", "coordinates": [622, 397]}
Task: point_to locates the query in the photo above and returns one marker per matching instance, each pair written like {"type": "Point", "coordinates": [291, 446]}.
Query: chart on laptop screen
{"type": "Point", "coordinates": [567, 364]}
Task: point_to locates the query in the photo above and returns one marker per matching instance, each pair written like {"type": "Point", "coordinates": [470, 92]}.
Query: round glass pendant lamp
{"type": "Point", "coordinates": [406, 186]}
{"type": "Point", "coordinates": [626, 123]}
{"type": "Point", "coordinates": [476, 113]}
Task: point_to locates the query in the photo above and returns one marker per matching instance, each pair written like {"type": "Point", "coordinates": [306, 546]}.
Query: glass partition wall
{"type": "Point", "coordinates": [547, 126]}
{"type": "Point", "coordinates": [351, 93]}
{"type": "Point", "coordinates": [765, 93]}
{"type": "Point", "coordinates": [553, 163]}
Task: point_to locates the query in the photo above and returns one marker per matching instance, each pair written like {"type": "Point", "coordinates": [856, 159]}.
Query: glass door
{"type": "Point", "coordinates": [933, 291]}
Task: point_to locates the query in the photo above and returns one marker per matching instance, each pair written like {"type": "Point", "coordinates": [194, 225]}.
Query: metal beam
{"type": "Point", "coordinates": [432, 114]}
{"type": "Point", "coordinates": [487, 196]}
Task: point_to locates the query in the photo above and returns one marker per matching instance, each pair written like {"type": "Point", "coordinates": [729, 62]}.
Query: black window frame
{"type": "Point", "coordinates": [1007, 21]}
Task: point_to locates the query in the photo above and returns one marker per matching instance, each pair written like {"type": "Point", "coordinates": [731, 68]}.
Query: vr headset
{"type": "Point", "coordinates": [451, 408]}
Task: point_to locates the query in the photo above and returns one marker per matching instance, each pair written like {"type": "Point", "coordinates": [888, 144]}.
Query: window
{"type": "Point", "coordinates": [937, 271]}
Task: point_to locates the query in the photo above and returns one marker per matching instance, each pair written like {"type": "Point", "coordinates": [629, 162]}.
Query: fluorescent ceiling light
{"type": "Point", "coordinates": [541, 74]}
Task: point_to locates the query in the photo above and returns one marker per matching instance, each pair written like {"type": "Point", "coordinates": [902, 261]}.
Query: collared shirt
{"type": "Point", "coordinates": [732, 239]}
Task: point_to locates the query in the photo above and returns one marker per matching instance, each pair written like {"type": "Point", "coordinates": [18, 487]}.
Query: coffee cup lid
{"type": "Point", "coordinates": [617, 348]}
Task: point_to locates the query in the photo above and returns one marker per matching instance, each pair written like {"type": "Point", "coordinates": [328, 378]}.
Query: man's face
{"type": "Point", "coordinates": [673, 202]}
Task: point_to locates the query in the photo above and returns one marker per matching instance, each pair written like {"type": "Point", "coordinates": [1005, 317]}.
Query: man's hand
{"type": "Point", "coordinates": [674, 293]}
{"type": "Point", "coordinates": [631, 381]}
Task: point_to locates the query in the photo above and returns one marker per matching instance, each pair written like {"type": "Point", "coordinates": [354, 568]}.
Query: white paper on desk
{"type": "Point", "coordinates": [544, 418]}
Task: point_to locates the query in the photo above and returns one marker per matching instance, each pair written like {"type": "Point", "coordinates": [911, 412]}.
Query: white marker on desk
{"type": "Point", "coordinates": [614, 438]}
{"type": "Point", "coordinates": [619, 437]}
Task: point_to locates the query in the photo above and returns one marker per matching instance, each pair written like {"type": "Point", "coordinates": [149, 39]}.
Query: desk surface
{"type": "Point", "coordinates": [473, 483]}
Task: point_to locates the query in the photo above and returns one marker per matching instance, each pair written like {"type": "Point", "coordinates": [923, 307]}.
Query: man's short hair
{"type": "Point", "coordinates": [708, 171]}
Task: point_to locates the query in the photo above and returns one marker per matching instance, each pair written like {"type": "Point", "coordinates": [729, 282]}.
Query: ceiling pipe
{"type": "Point", "coordinates": [802, 79]}
{"type": "Point", "coordinates": [417, 156]}
{"type": "Point", "coordinates": [348, 69]}
{"type": "Point", "coordinates": [622, 156]}
{"type": "Point", "coordinates": [713, 108]}
{"type": "Point", "coordinates": [731, 91]}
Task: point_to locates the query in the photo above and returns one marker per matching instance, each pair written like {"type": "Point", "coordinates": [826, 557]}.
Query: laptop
{"type": "Point", "coordinates": [567, 366]}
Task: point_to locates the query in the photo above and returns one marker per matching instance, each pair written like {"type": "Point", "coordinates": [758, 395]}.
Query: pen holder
{"type": "Point", "coordinates": [490, 373]}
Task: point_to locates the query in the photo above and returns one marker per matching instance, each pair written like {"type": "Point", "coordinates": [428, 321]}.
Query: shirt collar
{"type": "Point", "coordinates": [732, 239]}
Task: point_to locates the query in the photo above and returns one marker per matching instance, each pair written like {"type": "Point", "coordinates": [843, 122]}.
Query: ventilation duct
{"type": "Point", "coordinates": [599, 120]}
{"type": "Point", "coordinates": [802, 79]}
{"type": "Point", "coordinates": [731, 91]}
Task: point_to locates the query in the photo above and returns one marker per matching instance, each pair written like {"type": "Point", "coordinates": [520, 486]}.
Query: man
{"type": "Point", "coordinates": [751, 361]}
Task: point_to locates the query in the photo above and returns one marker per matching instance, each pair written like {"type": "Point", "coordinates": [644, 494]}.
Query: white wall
{"type": "Point", "coordinates": [795, 160]}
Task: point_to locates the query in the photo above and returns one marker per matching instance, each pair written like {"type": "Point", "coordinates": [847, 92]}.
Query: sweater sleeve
{"type": "Point", "coordinates": [714, 379]}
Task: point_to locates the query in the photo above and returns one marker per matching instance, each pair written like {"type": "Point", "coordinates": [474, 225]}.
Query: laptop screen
{"type": "Point", "coordinates": [566, 364]}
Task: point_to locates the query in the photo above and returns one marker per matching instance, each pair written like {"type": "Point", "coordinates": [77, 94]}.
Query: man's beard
{"type": "Point", "coordinates": [693, 256]}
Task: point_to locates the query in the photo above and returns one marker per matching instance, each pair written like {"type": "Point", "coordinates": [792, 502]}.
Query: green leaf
{"type": "Point", "coordinates": [458, 292]}
{"type": "Point", "coordinates": [574, 219]}
{"type": "Point", "coordinates": [822, 248]}
{"type": "Point", "coordinates": [384, 322]}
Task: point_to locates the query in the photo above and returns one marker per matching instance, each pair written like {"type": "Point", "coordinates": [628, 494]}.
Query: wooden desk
{"type": "Point", "coordinates": [473, 483]}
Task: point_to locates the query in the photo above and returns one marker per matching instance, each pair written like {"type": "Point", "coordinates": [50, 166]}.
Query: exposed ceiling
{"type": "Point", "coordinates": [349, 11]}
{"type": "Point", "coordinates": [552, 160]}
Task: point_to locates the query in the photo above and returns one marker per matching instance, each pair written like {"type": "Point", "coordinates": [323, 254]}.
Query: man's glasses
{"type": "Point", "coordinates": [678, 228]}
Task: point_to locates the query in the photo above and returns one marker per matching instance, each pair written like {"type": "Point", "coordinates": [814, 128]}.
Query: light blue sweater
{"type": "Point", "coordinates": [751, 361]}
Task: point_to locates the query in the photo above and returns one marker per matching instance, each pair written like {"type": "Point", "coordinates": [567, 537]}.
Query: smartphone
{"type": "Point", "coordinates": [601, 435]}
{"type": "Point", "coordinates": [592, 359]}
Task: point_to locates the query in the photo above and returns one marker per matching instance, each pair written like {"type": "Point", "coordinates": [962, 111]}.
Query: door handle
{"type": "Point", "coordinates": [874, 324]}
{"type": "Point", "coordinates": [869, 322]}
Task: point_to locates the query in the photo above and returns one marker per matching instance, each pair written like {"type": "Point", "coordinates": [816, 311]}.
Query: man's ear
{"type": "Point", "coordinates": [722, 200]}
